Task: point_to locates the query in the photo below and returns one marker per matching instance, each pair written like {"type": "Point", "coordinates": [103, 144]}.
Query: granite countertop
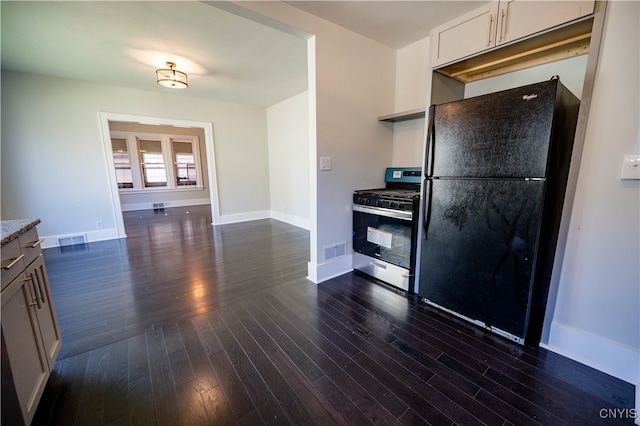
{"type": "Point", "coordinates": [11, 229]}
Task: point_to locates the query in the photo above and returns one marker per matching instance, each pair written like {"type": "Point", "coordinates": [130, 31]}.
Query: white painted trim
{"type": "Point", "coordinates": [132, 140]}
{"type": "Point", "coordinates": [313, 154]}
{"type": "Point", "coordinates": [111, 173]}
{"type": "Point", "coordinates": [318, 273]}
{"type": "Point", "coordinates": [160, 190]}
{"type": "Point", "coordinates": [593, 350]}
{"type": "Point", "coordinates": [105, 117]}
{"type": "Point", "coordinates": [291, 220]}
{"type": "Point", "coordinates": [113, 233]}
{"type": "Point", "coordinates": [89, 237]}
{"type": "Point", "coordinates": [179, 203]}
{"type": "Point", "coordinates": [244, 217]}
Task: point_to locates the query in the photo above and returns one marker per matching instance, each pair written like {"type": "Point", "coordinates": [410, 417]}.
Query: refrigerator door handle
{"type": "Point", "coordinates": [426, 207]}
{"type": "Point", "coordinates": [428, 167]}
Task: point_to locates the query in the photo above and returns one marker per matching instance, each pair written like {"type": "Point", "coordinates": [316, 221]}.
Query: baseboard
{"type": "Point", "coordinates": [605, 355]}
{"type": "Point", "coordinates": [110, 234]}
{"type": "Point", "coordinates": [318, 273]}
{"type": "Point", "coordinates": [89, 237]}
{"type": "Point", "coordinates": [168, 204]}
{"type": "Point", "coordinates": [244, 217]}
{"type": "Point", "coordinates": [291, 220]}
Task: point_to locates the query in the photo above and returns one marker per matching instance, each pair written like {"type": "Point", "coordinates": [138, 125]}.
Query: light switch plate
{"type": "Point", "coordinates": [631, 167]}
{"type": "Point", "coordinates": [325, 163]}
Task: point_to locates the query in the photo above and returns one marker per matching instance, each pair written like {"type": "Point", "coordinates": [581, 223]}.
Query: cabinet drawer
{"type": "Point", "coordinates": [30, 245]}
{"type": "Point", "coordinates": [12, 262]}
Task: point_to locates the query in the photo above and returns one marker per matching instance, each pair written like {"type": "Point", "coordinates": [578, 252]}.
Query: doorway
{"type": "Point", "coordinates": [208, 160]}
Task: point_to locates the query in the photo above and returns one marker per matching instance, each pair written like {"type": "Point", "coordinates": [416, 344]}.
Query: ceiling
{"type": "Point", "coordinates": [392, 23]}
{"type": "Point", "coordinates": [228, 58]}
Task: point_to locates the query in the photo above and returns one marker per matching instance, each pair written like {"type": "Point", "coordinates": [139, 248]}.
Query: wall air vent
{"type": "Point", "coordinates": [332, 251]}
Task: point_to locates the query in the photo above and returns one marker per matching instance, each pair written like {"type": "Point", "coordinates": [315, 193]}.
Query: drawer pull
{"type": "Point", "coordinates": [16, 260]}
{"type": "Point", "coordinates": [36, 243]}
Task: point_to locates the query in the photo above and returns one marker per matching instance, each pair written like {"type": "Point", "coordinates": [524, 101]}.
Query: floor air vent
{"type": "Point", "coordinates": [158, 207]}
{"type": "Point", "coordinates": [73, 240]}
{"type": "Point", "coordinates": [73, 243]}
{"type": "Point", "coordinates": [332, 251]}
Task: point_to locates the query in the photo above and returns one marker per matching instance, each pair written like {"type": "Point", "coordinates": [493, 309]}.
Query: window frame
{"type": "Point", "coordinates": [166, 142]}
{"type": "Point", "coordinates": [121, 165]}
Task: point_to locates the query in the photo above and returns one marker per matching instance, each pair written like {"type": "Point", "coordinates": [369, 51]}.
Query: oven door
{"type": "Point", "coordinates": [382, 241]}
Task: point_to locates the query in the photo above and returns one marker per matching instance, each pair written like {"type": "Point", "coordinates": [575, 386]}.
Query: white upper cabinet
{"type": "Point", "coordinates": [500, 22]}
{"type": "Point", "coordinates": [465, 35]}
{"type": "Point", "coordinates": [520, 18]}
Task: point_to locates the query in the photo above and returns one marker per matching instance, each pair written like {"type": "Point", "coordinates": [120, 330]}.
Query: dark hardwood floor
{"type": "Point", "coordinates": [183, 323]}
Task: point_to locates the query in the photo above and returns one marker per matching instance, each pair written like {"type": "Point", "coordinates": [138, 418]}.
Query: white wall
{"type": "Point", "coordinates": [571, 72]}
{"type": "Point", "coordinates": [597, 314]}
{"type": "Point", "coordinates": [288, 138]}
{"type": "Point", "coordinates": [413, 76]}
{"type": "Point", "coordinates": [53, 162]}
{"type": "Point", "coordinates": [352, 85]}
{"type": "Point", "coordinates": [413, 86]}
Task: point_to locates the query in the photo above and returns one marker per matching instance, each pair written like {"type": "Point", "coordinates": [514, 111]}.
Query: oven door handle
{"type": "Point", "coordinates": [394, 214]}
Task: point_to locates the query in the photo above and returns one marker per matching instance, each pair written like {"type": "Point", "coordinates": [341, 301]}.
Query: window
{"type": "Point", "coordinates": [154, 172]}
{"type": "Point", "coordinates": [148, 162]}
{"type": "Point", "coordinates": [122, 163]}
{"type": "Point", "coordinates": [185, 165]}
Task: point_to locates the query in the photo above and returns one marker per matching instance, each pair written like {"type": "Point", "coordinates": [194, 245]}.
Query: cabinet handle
{"type": "Point", "coordinates": [31, 290]}
{"type": "Point", "coordinates": [36, 243]}
{"type": "Point", "coordinates": [33, 283]}
{"type": "Point", "coordinates": [503, 27]}
{"type": "Point", "coordinates": [16, 260]}
{"type": "Point", "coordinates": [489, 32]}
{"type": "Point", "coordinates": [40, 287]}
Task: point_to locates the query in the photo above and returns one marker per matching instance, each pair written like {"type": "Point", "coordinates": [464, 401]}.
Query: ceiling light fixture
{"type": "Point", "coordinates": [171, 78]}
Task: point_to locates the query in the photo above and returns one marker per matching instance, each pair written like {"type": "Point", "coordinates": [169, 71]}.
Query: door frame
{"type": "Point", "coordinates": [207, 128]}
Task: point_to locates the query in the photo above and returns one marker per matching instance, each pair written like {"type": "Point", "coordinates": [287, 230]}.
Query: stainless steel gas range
{"type": "Point", "coordinates": [385, 228]}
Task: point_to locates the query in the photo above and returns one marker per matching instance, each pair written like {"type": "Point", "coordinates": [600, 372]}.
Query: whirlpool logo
{"type": "Point", "coordinates": [529, 97]}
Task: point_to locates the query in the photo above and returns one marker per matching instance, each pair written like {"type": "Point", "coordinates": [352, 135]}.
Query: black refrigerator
{"type": "Point", "coordinates": [495, 178]}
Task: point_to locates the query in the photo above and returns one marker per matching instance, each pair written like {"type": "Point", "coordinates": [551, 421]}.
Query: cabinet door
{"type": "Point", "coordinates": [521, 18]}
{"type": "Point", "coordinates": [45, 312]}
{"type": "Point", "coordinates": [24, 347]}
{"type": "Point", "coordinates": [464, 36]}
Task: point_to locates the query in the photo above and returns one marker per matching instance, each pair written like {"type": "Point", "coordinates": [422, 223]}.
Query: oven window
{"type": "Point", "coordinates": [383, 238]}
